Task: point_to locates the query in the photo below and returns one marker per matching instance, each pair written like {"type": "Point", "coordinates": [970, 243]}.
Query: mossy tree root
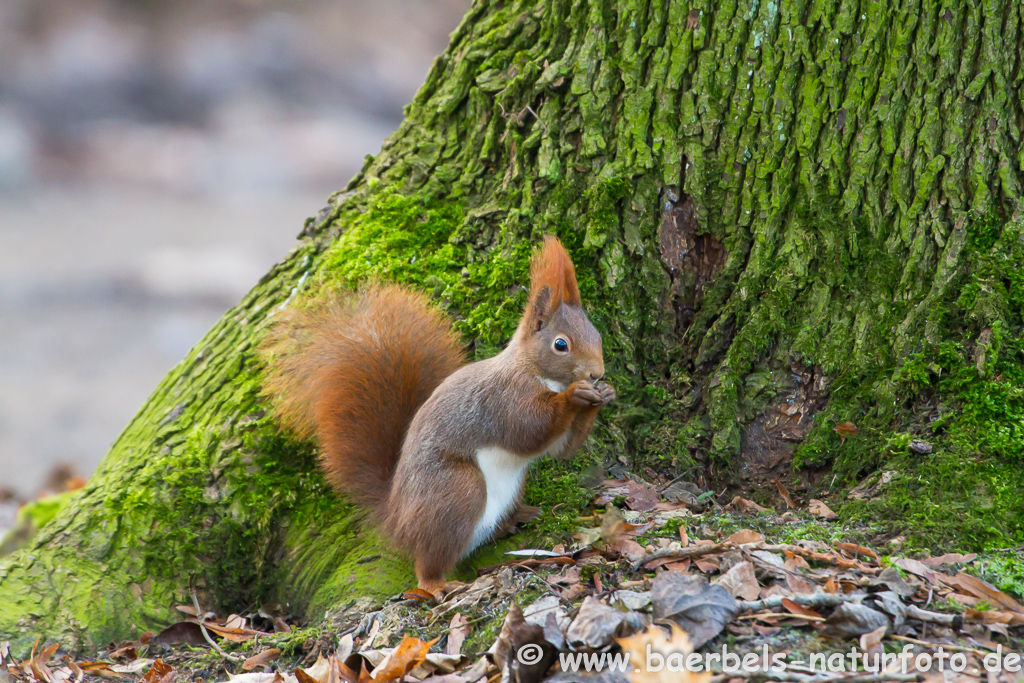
{"type": "Point", "coordinates": [755, 192]}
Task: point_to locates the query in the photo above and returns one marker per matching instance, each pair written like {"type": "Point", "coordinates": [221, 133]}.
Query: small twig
{"type": "Point", "coordinates": [547, 586]}
{"type": "Point", "coordinates": [788, 674]}
{"type": "Point", "coordinates": [951, 620]}
{"type": "Point", "coordinates": [780, 615]}
{"type": "Point", "coordinates": [682, 476]}
{"type": "Point", "coordinates": [681, 554]}
{"type": "Point", "coordinates": [202, 624]}
{"type": "Point", "coordinates": [803, 599]}
{"type": "Point", "coordinates": [925, 643]}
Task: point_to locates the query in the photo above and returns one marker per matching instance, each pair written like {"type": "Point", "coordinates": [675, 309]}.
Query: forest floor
{"type": "Point", "coordinates": [656, 573]}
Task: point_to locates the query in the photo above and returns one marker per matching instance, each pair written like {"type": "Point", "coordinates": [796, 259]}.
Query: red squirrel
{"type": "Point", "coordinates": [436, 448]}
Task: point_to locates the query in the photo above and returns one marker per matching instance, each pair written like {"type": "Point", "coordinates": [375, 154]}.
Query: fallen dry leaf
{"type": "Point", "coordinates": [984, 590]}
{"type": "Point", "coordinates": [706, 564]}
{"type": "Point", "coordinates": [639, 497]}
{"type": "Point", "coordinates": [597, 625]}
{"type": "Point", "coordinates": [125, 653]}
{"type": "Point", "coordinates": [627, 548]}
{"type": "Point", "coordinates": [798, 609]}
{"type": "Point", "coordinates": [515, 634]}
{"type": "Point", "coordinates": [418, 594]}
{"type": "Point", "coordinates": [790, 503]}
{"type": "Point", "coordinates": [918, 568]}
{"type": "Point", "coordinates": [745, 536]}
{"type": "Point", "coordinates": [991, 616]}
{"type": "Point", "coordinates": [458, 630]}
{"type": "Point", "coordinates": [742, 505]}
{"type": "Point", "coordinates": [740, 581]}
{"type": "Point", "coordinates": [409, 654]}
{"type": "Point", "coordinates": [261, 659]}
{"type": "Point", "coordinates": [850, 620]}
{"type": "Point", "coordinates": [949, 558]}
{"type": "Point", "coordinates": [131, 667]}
{"type": "Point", "coordinates": [653, 640]}
{"type": "Point", "coordinates": [158, 672]}
{"type": "Point", "coordinates": [871, 642]}
{"type": "Point", "coordinates": [702, 610]}
{"type": "Point", "coordinates": [236, 635]}
{"type": "Point", "coordinates": [819, 509]}
{"type": "Point", "coordinates": [186, 632]}
{"type": "Point", "coordinates": [235, 621]}
{"type": "Point", "coordinates": [856, 551]}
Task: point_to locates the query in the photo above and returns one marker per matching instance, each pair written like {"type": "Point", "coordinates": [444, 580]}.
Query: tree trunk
{"type": "Point", "coordinates": [786, 216]}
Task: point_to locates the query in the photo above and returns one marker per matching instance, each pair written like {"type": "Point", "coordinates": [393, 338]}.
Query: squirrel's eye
{"type": "Point", "coordinates": [561, 345]}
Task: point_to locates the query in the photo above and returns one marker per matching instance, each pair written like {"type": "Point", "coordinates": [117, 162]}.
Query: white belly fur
{"type": "Point", "coordinates": [503, 472]}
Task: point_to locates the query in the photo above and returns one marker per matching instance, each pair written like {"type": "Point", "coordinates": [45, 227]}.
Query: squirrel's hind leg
{"type": "Point", "coordinates": [444, 525]}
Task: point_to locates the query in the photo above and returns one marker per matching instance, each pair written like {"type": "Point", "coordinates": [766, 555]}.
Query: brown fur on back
{"type": "Point", "coordinates": [352, 370]}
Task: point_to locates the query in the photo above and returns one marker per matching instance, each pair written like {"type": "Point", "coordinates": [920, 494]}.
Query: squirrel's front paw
{"type": "Point", "coordinates": [585, 394]}
{"type": "Point", "coordinates": [606, 392]}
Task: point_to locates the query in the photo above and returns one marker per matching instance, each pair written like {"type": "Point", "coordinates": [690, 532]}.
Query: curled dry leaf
{"type": "Point", "coordinates": [261, 659]}
{"type": "Point", "coordinates": [871, 642]}
{"type": "Point", "coordinates": [458, 630]}
{"type": "Point", "coordinates": [851, 619]}
{"type": "Point", "coordinates": [784, 492]}
{"type": "Point", "coordinates": [918, 568]}
{"type": "Point", "coordinates": [418, 594]}
{"type": "Point", "coordinates": [799, 610]}
{"type": "Point", "coordinates": [819, 509]}
{"type": "Point", "coordinates": [409, 654]}
{"type": "Point", "coordinates": [516, 633]}
{"type": "Point", "coordinates": [236, 635]}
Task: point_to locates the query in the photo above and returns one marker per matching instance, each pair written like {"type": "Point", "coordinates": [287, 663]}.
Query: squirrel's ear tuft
{"type": "Point", "coordinates": [552, 269]}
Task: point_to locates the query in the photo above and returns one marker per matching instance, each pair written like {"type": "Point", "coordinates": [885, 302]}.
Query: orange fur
{"type": "Point", "coordinates": [552, 267]}
{"type": "Point", "coordinates": [352, 370]}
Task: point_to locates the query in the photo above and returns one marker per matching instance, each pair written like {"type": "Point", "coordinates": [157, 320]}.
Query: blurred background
{"type": "Point", "coordinates": [155, 159]}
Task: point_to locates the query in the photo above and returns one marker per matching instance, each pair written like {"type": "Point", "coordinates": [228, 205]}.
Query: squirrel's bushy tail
{"type": "Point", "coordinates": [352, 370]}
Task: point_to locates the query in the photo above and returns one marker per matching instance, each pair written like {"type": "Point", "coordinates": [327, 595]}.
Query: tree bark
{"type": "Point", "coordinates": [785, 215]}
